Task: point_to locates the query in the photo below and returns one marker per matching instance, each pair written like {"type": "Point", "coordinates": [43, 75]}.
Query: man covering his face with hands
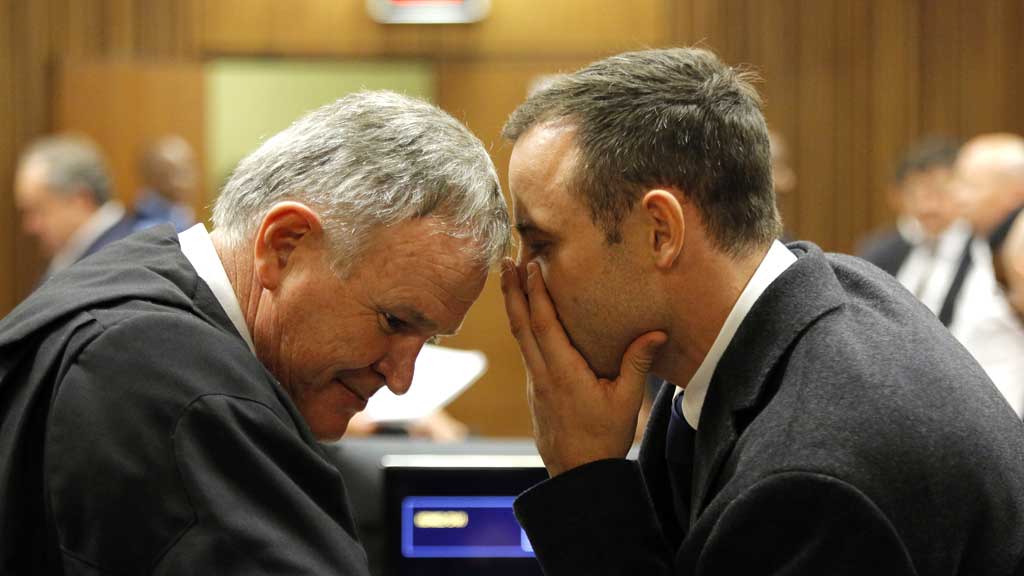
{"type": "Point", "coordinates": [817, 418]}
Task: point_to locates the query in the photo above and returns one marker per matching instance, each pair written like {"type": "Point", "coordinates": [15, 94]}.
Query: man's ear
{"type": "Point", "coordinates": [667, 226]}
{"type": "Point", "coordinates": [285, 227]}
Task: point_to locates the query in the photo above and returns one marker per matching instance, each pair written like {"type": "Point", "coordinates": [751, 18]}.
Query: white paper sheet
{"type": "Point", "coordinates": [441, 375]}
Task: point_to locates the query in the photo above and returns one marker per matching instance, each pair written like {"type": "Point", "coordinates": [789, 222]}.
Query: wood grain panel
{"type": "Point", "coordinates": [482, 95]}
{"type": "Point", "coordinates": [896, 77]}
{"type": "Point", "coordinates": [818, 96]}
{"type": "Point", "coordinates": [852, 84]}
{"type": "Point", "coordinates": [853, 92]}
{"type": "Point", "coordinates": [940, 68]}
{"type": "Point", "coordinates": [775, 47]}
{"type": "Point", "coordinates": [985, 75]}
{"type": "Point", "coordinates": [514, 27]}
{"type": "Point", "coordinates": [124, 106]}
{"type": "Point", "coordinates": [8, 216]}
{"type": "Point", "coordinates": [35, 37]}
{"type": "Point", "coordinates": [32, 29]}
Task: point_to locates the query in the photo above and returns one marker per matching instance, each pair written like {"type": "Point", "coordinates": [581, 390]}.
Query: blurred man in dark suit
{"type": "Point", "coordinates": [926, 251]}
{"type": "Point", "coordinates": [63, 195]}
{"type": "Point", "coordinates": [820, 419]}
{"type": "Point", "coordinates": [169, 181]}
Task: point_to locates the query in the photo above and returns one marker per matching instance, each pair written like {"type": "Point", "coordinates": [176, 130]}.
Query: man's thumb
{"type": "Point", "coordinates": [636, 363]}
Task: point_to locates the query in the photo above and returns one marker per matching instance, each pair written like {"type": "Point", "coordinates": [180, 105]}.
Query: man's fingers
{"type": "Point", "coordinates": [637, 360]}
{"type": "Point", "coordinates": [518, 311]}
{"type": "Point", "coordinates": [554, 344]}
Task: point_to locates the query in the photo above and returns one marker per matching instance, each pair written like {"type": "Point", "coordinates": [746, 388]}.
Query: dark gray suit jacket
{"type": "Point", "coordinates": [139, 435]}
{"type": "Point", "coordinates": [844, 432]}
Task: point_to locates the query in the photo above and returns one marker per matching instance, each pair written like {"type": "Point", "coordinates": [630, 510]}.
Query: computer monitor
{"type": "Point", "coordinates": [452, 514]}
{"type": "Point", "coordinates": [479, 478]}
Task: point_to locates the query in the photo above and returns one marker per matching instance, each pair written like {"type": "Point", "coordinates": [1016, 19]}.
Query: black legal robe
{"type": "Point", "coordinates": [139, 434]}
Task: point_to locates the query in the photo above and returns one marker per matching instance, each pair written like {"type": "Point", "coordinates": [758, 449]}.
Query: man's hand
{"type": "Point", "coordinates": [577, 417]}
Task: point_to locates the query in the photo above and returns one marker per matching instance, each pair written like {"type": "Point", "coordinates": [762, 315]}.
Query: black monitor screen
{"type": "Point", "coordinates": [453, 515]}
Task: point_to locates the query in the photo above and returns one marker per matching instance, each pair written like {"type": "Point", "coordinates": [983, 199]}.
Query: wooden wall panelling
{"type": "Point", "coordinates": [986, 77]}
{"type": "Point", "coordinates": [514, 27]}
{"type": "Point", "coordinates": [774, 48]}
{"type": "Point", "coordinates": [852, 84]}
{"type": "Point", "coordinates": [8, 217]}
{"type": "Point", "coordinates": [32, 27]}
{"type": "Point", "coordinates": [126, 28]}
{"type": "Point", "coordinates": [817, 128]}
{"type": "Point", "coordinates": [35, 36]}
{"type": "Point", "coordinates": [1013, 46]}
{"type": "Point", "coordinates": [895, 111]}
{"type": "Point", "coordinates": [482, 94]}
{"type": "Point", "coordinates": [853, 170]}
{"type": "Point", "coordinates": [706, 27]}
{"type": "Point", "coordinates": [124, 105]}
{"type": "Point", "coordinates": [941, 31]}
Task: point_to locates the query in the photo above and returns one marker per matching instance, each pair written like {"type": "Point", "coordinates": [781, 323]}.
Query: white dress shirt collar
{"type": "Point", "coordinates": [929, 269]}
{"type": "Point", "coordinates": [103, 219]}
{"type": "Point", "coordinates": [198, 248]}
{"type": "Point", "coordinates": [775, 262]}
{"type": "Point", "coordinates": [910, 229]}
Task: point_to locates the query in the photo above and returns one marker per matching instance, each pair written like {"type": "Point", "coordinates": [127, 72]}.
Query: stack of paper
{"type": "Point", "coordinates": [441, 375]}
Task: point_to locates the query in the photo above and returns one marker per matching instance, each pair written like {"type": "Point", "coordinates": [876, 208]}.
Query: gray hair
{"type": "Point", "coordinates": [675, 117]}
{"type": "Point", "coordinates": [366, 161]}
{"type": "Point", "coordinates": [71, 163]}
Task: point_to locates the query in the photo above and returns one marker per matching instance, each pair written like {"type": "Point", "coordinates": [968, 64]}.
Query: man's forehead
{"type": "Point", "coordinates": [540, 174]}
{"type": "Point", "coordinates": [30, 184]}
{"type": "Point", "coordinates": [430, 280]}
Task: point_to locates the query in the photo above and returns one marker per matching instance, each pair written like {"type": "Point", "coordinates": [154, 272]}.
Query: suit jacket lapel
{"type": "Point", "coordinates": [806, 291]}
{"type": "Point", "coordinates": [655, 468]}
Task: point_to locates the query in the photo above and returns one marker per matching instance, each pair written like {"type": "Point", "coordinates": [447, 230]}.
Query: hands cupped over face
{"type": "Point", "coordinates": [578, 418]}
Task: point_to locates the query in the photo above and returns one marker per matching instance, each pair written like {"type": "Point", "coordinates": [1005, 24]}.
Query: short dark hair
{"type": "Point", "coordinates": [927, 154]}
{"type": "Point", "coordinates": [674, 117]}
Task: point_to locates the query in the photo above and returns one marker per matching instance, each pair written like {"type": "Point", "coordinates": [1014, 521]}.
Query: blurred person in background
{"type": "Point", "coordinates": [63, 195]}
{"type": "Point", "coordinates": [1005, 364]}
{"type": "Point", "coordinates": [783, 175]}
{"type": "Point", "coordinates": [990, 185]}
{"type": "Point", "coordinates": [990, 180]}
{"type": "Point", "coordinates": [928, 251]}
{"type": "Point", "coordinates": [1010, 265]}
{"type": "Point", "coordinates": [169, 178]}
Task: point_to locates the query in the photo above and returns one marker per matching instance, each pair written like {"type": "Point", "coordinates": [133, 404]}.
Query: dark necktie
{"type": "Point", "coordinates": [679, 443]}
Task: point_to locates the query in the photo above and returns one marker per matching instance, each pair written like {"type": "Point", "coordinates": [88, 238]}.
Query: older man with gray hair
{"type": "Point", "coordinates": [62, 192]}
{"type": "Point", "coordinates": [162, 402]}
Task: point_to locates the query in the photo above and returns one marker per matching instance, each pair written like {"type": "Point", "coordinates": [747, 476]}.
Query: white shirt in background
{"type": "Point", "coordinates": [984, 322]}
{"type": "Point", "coordinates": [930, 267]}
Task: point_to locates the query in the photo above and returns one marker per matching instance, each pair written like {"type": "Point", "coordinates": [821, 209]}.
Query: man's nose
{"type": "Point", "coordinates": [398, 365]}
